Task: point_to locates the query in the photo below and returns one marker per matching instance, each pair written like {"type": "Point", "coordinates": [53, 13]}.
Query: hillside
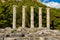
{"type": "Point", "coordinates": [6, 14]}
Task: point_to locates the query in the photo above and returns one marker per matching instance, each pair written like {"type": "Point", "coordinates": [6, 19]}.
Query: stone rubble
{"type": "Point", "coordinates": [28, 34]}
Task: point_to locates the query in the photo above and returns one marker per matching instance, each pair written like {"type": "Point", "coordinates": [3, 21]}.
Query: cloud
{"type": "Point", "coordinates": [53, 4]}
{"type": "Point", "coordinates": [44, 0]}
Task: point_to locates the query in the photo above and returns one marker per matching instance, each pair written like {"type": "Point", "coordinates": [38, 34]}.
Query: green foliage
{"type": "Point", "coordinates": [6, 14]}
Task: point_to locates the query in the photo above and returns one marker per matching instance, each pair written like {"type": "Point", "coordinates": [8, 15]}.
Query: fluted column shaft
{"type": "Point", "coordinates": [23, 16]}
{"type": "Point", "coordinates": [14, 16]}
{"type": "Point", "coordinates": [32, 17]}
{"type": "Point", "coordinates": [40, 17]}
{"type": "Point", "coordinates": [48, 18]}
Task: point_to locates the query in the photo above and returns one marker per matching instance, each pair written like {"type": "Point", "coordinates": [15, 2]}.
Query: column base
{"type": "Point", "coordinates": [47, 28]}
{"type": "Point", "coordinates": [40, 28]}
{"type": "Point", "coordinates": [33, 30]}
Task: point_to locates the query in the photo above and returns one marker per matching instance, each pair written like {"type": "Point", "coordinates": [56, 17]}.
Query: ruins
{"type": "Point", "coordinates": [32, 33]}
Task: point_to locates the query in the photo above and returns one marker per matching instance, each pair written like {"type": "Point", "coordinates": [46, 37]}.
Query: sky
{"type": "Point", "coordinates": [51, 3]}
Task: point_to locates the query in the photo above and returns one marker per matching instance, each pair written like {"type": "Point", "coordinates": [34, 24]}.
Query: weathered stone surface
{"type": "Point", "coordinates": [48, 18]}
{"type": "Point", "coordinates": [2, 35]}
{"type": "Point", "coordinates": [14, 16]}
{"type": "Point", "coordinates": [39, 35]}
{"type": "Point", "coordinates": [23, 16]}
{"type": "Point", "coordinates": [40, 17]}
{"type": "Point", "coordinates": [1, 38]}
{"type": "Point", "coordinates": [7, 30]}
{"type": "Point", "coordinates": [32, 17]}
{"type": "Point", "coordinates": [2, 30]}
{"type": "Point", "coordinates": [19, 29]}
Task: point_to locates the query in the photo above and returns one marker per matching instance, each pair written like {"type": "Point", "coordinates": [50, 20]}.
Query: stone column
{"type": "Point", "coordinates": [48, 18]}
{"type": "Point", "coordinates": [14, 16]}
{"type": "Point", "coordinates": [40, 17]}
{"type": "Point", "coordinates": [23, 16]}
{"type": "Point", "coordinates": [32, 17]}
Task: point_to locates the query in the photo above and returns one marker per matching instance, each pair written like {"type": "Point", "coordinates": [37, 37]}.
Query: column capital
{"type": "Point", "coordinates": [14, 5]}
{"type": "Point", "coordinates": [32, 7]}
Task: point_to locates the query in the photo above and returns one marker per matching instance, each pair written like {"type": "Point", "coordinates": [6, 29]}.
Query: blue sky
{"type": "Point", "coordinates": [51, 3]}
{"type": "Point", "coordinates": [51, 0]}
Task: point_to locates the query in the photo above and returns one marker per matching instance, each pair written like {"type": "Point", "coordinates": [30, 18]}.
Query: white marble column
{"type": "Point", "coordinates": [48, 18]}
{"type": "Point", "coordinates": [40, 17]}
{"type": "Point", "coordinates": [14, 16]}
{"type": "Point", "coordinates": [32, 17]}
{"type": "Point", "coordinates": [23, 16]}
